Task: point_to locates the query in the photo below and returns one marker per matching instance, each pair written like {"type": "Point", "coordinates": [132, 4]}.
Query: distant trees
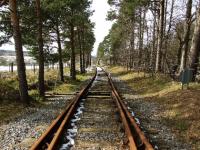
{"type": "Point", "coordinates": [80, 25]}
{"type": "Point", "coordinates": [71, 28]}
{"type": "Point", "coordinates": [152, 36]}
{"type": "Point", "coordinates": [53, 31]}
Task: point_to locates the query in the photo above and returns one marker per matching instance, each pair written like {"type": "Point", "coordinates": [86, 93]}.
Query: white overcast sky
{"type": "Point", "coordinates": [99, 18]}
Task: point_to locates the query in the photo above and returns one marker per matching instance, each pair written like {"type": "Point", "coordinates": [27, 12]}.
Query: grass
{"type": "Point", "coordinates": [71, 85]}
{"type": "Point", "coordinates": [144, 84]}
{"type": "Point", "coordinates": [7, 110]}
{"type": "Point", "coordinates": [9, 94]}
{"type": "Point", "coordinates": [180, 108]}
{"type": "Point", "coordinates": [9, 84]}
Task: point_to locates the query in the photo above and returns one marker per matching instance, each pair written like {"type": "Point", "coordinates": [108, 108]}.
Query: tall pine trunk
{"type": "Point", "coordinates": [40, 50]}
{"type": "Point", "coordinates": [21, 70]}
{"type": "Point", "coordinates": [187, 29]}
{"type": "Point", "coordinates": [160, 36]}
{"type": "Point", "coordinates": [154, 36]}
{"type": "Point", "coordinates": [87, 59]}
{"type": "Point", "coordinates": [83, 46]}
{"type": "Point", "coordinates": [141, 33]}
{"type": "Point", "coordinates": [165, 65]}
{"type": "Point", "coordinates": [195, 47]}
{"type": "Point", "coordinates": [152, 55]}
{"type": "Point", "coordinates": [61, 73]}
{"type": "Point", "coordinates": [73, 63]}
{"type": "Point", "coordinates": [132, 41]}
{"type": "Point", "coordinates": [80, 52]}
{"type": "Point", "coordinates": [84, 64]}
{"type": "Point", "coordinates": [90, 59]}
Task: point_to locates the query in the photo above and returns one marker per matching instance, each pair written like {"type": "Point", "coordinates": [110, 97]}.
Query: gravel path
{"type": "Point", "coordinates": [149, 114]}
{"type": "Point", "coordinates": [23, 131]}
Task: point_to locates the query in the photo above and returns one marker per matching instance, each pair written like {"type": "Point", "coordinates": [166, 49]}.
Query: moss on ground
{"type": "Point", "coordinates": [180, 108]}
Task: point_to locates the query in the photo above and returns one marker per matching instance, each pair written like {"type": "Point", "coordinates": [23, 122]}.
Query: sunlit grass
{"type": "Point", "coordinates": [9, 83]}
{"type": "Point", "coordinates": [9, 94]}
{"type": "Point", "coordinates": [71, 86]}
{"type": "Point", "coordinates": [144, 84]}
{"type": "Point", "coordinates": [179, 107]}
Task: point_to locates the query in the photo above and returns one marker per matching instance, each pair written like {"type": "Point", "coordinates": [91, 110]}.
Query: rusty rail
{"type": "Point", "coordinates": [136, 137]}
{"type": "Point", "coordinates": [50, 139]}
{"type": "Point", "coordinates": [51, 136]}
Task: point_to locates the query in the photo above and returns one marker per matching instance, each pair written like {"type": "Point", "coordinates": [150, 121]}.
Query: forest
{"type": "Point", "coordinates": [153, 36]}
{"type": "Point", "coordinates": [53, 31]}
{"type": "Point", "coordinates": [140, 91]}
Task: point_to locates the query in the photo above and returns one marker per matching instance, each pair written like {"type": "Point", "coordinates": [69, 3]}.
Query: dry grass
{"type": "Point", "coordinates": [9, 104]}
{"type": "Point", "coordinates": [180, 108]}
{"type": "Point", "coordinates": [7, 110]}
{"type": "Point", "coordinates": [182, 113]}
{"type": "Point", "coordinates": [144, 84]}
{"type": "Point", "coordinates": [71, 86]}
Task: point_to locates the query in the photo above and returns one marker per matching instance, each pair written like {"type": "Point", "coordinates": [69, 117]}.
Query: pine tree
{"type": "Point", "coordinates": [23, 87]}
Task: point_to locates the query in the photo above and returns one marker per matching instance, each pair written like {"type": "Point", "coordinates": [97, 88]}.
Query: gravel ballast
{"type": "Point", "coordinates": [21, 132]}
{"type": "Point", "coordinates": [149, 114]}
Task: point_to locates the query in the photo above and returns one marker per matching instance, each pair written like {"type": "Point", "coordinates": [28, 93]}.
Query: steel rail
{"type": "Point", "coordinates": [51, 136]}
{"type": "Point", "coordinates": [132, 144]}
{"type": "Point", "coordinates": [125, 114]}
{"type": "Point", "coordinates": [46, 137]}
{"type": "Point", "coordinates": [50, 139]}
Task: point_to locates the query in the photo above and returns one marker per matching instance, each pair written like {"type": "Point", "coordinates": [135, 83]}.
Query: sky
{"type": "Point", "coordinates": [99, 18]}
{"type": "Point", "coordinates": [9, 46]}
{"type": "Point", "coordinates": [102, 26]}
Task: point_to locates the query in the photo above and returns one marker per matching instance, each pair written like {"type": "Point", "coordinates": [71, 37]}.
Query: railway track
{"type": "Point", "coordinates": [96, 119]}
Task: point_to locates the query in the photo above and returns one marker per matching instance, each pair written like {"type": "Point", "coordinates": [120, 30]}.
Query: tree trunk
{"type": "Point", "coordinates": [84, 64]}
{"type": "Point", "coordinates": [73, 63]}
{"type": "Point", "coordinates": [87, 60]}
{"type": "Point", "coordinates": [152, 55]}
{"type": "Point", "coordinates": [167, 35]}
{"type": "Point", "coordinates": [160, 35]}
{"type": "Point", "coordinates": [187, 29]}
{"type": "Point", "coordinates": [21, 70]}
{"type": "Point", "coordinates": [83, 46]}
{"type": "Point", "coordinates": [141, 32]}
{"type": "Point", "coordinates": [60, 54]}
{"type": "Point", "coordinates": [154, 36]}
{"type": "Point", "coordinates": [40, 50]}
{"type": "Point", "coordinates": [132, 42]}
{"type": "Point", "coordinates": [179, 52]}
{"type": "Point", "coordinates": [195, 47]}
{"type": "Point", "coordinates": [80, 51]}
{"type": "Point", "coordinates": [90, 59]}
